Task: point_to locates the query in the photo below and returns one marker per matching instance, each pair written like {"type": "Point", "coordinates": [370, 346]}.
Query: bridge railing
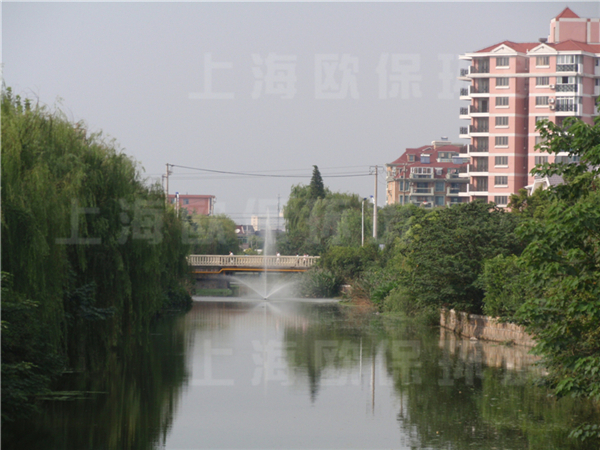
{"type": "Point", "coordinates": [251, 261]}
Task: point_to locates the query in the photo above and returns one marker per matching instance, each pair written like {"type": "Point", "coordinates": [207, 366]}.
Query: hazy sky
{"type": "Point", "coordinates": [269, 88]}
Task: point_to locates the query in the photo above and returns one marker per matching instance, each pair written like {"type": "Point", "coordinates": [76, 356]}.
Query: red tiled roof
{"type": "Point", "coordinates": [576, 45]}
{"type": "Point", "coordinates": [567, 14]}
{"type": "Point", "coordinates": [521, 47]}
{"type": "Point", "coordinates": [403, 160]}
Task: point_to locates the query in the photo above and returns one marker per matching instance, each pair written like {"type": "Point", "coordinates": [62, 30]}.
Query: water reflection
{"type": "Point", "coordinates": [129, 405]}
{"type": "Point", "coordinates": [295, 373]}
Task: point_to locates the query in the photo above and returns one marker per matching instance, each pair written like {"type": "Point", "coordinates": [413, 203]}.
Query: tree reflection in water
{"type": "Point", "coordinates": [130, 402]}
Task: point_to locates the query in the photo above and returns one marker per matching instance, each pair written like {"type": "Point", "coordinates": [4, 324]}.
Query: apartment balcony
{"type": "Point", "coordinates": [477, 109]}
{"type": "Point", "coordinates": [454, 175]}
{"type": "Point", "coordinates": [463, 132]}
{"type": "Point", "coordinates": [421, 191]}
{"type": "Point", "coordinates": [568, 67]}
{"type": "Point", "coordinates": [484, 68]}
{"type": "Point", "coordinates": [454, 201]}
{"type": "Point", "coordinates": [472, 148]}
{"type": "Point", "coordinates": [478, 188]}
{"type": "Point", "coordinates": [566, 107]}
{"type": "Point", "coordinates": [450, 191]}
{"type": "Point", "coordinates": [464, 72]}
{"type": "Point", "coordinates": [478, 168]}
{"type": "Point", "coordinates": [464, 93]}
{"type": "Point", "coordinates": [479, 129]}
{"type": "Point", "coordinates": [464, 111]}
{"type": "Point", "coordinates": [421, 176]}
{"type": "Point", "coordinates": [479, 90]}
{"type": "Point", "coordinates": [566, 88]}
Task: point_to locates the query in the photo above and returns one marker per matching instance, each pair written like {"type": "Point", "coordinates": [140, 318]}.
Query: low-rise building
{"type": "Point", "coordinates": [194, 204]}
{"type": "Point", "coordinates": [427, 176]}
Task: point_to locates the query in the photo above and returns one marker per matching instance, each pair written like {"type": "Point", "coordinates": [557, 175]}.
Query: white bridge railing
{"type": "Point", "coordinates": [251, 261]}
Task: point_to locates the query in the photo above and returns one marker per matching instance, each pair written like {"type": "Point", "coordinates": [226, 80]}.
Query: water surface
{"type": "Point", "coordinates": [308, 374]}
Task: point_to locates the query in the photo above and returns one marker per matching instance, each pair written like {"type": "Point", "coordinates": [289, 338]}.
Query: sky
{"type": "Point", "coordinates": [262, 90]}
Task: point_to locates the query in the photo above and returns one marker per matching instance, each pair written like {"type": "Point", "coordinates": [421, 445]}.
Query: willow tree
{"type": "Point", "coordinates": [89, 251]}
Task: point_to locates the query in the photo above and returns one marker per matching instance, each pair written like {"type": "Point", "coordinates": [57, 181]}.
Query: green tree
{"type": "Point", "coordinates": [317, 188]}
{"type": "Point", "coordinates": [563, 260]}
{"type": "Point", "coordinates": [213, 235]}
{"type": "Point", "coordinates": [313, 224]}
{"type": "Point", "coordinates": [441, 257]}
{"type": "Point", "coordinates": [92, 253]}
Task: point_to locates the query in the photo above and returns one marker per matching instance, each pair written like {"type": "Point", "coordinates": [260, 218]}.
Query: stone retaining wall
{"type": "Point", "coordinates": [483, 327]}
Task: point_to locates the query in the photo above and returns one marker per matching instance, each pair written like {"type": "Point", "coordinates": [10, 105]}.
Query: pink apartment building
{"type": "Point", "coordinates": [427, 176]}
{"type": "Point", "coordinates": [512, 86]}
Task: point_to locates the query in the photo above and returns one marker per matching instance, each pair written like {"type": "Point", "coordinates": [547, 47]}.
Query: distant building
{"type": "Point", "coordinates": [266, 223]}
{"type": "Point", "coordinates": [427, 176]}
{"type": "Point", "coordinates": [512, 86]}
{"type": "Point", "coordinates": [195, 204]}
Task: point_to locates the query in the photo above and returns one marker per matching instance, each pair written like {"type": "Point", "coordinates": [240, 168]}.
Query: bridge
{"type": "Point", "coordinates": [215, 264]}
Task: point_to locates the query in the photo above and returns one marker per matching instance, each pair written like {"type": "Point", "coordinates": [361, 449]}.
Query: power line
{"type": "Point", "coordinates": [263, 175]}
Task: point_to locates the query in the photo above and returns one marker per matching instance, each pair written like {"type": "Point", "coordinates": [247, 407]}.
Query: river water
{"type": "Point", "coordinates": [307, 374]}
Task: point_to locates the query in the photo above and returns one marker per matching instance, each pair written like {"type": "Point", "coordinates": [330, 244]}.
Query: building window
{"type": "Point", "coordinates": [501, 101]}
{"type": "Point", "coordinates": [501, 141]}
{"type": "Point", "coordinates": [501, 200]}
{"type": "Point", "coordinates": [542, 61]}
{"type": "Point", "coordinates": [501, 121]}
{"type": "Point", "coordinates": [502, 61]}
{"type": "Point", "coordinates": [568, 59]}
{"type": "Point", "coordinates": [502, 82]}
{"type": "Point", "coordinates": [439, 186]}
{"type": "Point", "coordinates": [400, 185]}
{"type": "Point", "coordinates": [411, 158]}
{"type": "Point", "coordinates": [538, 119]}
{"type": "Point", "coordinates": [439, 200]}
{"type": "Point", "coordinates": [425, 159]}
{"type": "Point", "coordinates": [541, 101]}
{"type": "Point", "coordinates": [542, 81]}
{"type": "Point", "coordinates": [501, 161]}
{"type": "Point", "coordinates": [186, 201]}
{"type": "Point", "coordinates": [501, 180]}
{"type": "Point", "coordinates": [421, 172]}
{"type": "Point", "coordinates": [566, 159]}
{"type": "Point", "coordinates": [541, 160]}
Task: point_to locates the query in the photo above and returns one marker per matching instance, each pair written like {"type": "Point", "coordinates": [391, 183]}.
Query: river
{"type": "Point", "coordinates": [306, 374]}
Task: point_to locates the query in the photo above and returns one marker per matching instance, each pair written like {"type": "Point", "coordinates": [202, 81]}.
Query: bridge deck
{"type": "Point", "coordinates": [212, 264]}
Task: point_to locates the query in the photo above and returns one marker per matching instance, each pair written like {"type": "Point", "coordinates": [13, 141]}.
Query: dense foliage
{"type": "Point", "coordinates": [315, 223]}
{"type": "Point", "coordinates": [212, 235]}
{"type": "Point", "coordinates": [441, 257]}
{"type": "Point", "coordinates": [89, 252]}
{"type": "Point", "coordinates": [563, 260]}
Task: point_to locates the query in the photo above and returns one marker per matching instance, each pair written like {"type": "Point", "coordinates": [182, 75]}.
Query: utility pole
{"type": "Point", "coordinates": [167, 183]}
{"type": "Point", "coordinates": [375, 204]}
{"type": "Point", "coordinates": [362, 234]}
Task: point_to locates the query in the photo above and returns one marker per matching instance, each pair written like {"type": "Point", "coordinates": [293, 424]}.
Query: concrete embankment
{"type": "Point", "coordinates": [485, 328]}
